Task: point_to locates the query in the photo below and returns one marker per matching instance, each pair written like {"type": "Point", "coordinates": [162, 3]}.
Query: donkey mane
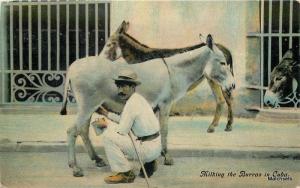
{"type": "Point", "coordinates": [227, 55]}
{"type": "Point", "coordinates": [134, 51]}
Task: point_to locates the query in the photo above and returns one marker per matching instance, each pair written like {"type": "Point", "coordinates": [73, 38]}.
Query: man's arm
{"type": "Point", "coordinates": [110, 115]}
{"type": "Point", "coordinates": [113, 117]}
{"type": "Point", "coordinates": [127, 118]}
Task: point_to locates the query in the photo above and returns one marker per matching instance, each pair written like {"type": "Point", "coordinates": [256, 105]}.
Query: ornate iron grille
{"type": "Point", "coordinates": [280, 29]}
{"type": "Point", "coordinates": [42, 39]}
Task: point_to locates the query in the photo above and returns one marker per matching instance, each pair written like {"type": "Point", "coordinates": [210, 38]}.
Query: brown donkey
{"type": "Point", "coordinates": [135, 52]}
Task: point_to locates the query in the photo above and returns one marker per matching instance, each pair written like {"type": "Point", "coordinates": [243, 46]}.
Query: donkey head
{"type": "Point", "coordinates": [217, 69]}
{"type": "Point", "coordinates": [111, 49]}
{"type": "Point", "coordinates": [284, 79]}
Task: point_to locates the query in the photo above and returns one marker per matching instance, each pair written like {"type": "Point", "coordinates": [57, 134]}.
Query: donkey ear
{"type": "Point", "coordinates": [296, 68]}
{"type": "Point", "coordinates": [296, 73]}
{"type": "Point", "coordinates": [209, 41]}
{"type": "Point", "coordinates": [122, 28]}
{"type": "Point", "coordinates": [294, 85]}
{"type": "Point", "coordinates": [289, 54]}
{"type": "Point", "coordinates": [126, 27]}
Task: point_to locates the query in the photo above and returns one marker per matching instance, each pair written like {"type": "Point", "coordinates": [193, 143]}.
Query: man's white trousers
{"type": "Point", "coordinates": [119, 149]}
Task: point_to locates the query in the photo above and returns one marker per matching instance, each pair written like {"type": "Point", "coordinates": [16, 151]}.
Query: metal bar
{"type": "Point", "coordinates": [49, 35]}
{"type": "Point", "coordinates": [39, 38]}
{"type": "Point", "coordinates": [67, 35]}
{"type": "Point", "coordinates": [106, 21]}
{"type": "Point", "coordinates": [96, 29]}
{"type": "Point", "coordinates": [77, 30]}
{"type": "Point", "coordinates": [11, 41]}
{"type": "Point", "coordinates": [30, 37]}
{"type": "Point", "coordinates": [280, 28]}
{"type": "Point", "coordinates": [273, 34]}
{"type": "Point", "coordinates": [36, 89]}
{"type": "Point", "coordinates": [11, 38]}
{"type": "Point", "coordinates": [269, 41]}
{"type": "Point", "coordinates": [57, 36]}
{"type": "Point", "coordinates": [33, 71]}
{"type": "Point", "coordinates": [23, 3]}
{"type": "Point", "coordinates": [291, 24]}
{"type": "Point", "coordinates": [3, 47]}
{"type": "Point", "coordinates": [262, 54]}
{"type": "Point", "coordinates": [86, 30]}
{"type": "Point", "coordinates": [20, 37]}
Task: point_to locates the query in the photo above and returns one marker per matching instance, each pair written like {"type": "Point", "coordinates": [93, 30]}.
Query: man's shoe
{"type": "Point", "coordinates": [150, 168]}
{"type": "Point", "coordinates": [121, 177]}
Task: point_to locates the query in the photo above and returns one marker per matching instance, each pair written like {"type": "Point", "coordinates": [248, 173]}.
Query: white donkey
{"type": "Point", "coordinates": [164, 81]}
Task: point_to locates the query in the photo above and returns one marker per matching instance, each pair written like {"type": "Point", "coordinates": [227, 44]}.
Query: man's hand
{"type": "Point", "coordinates": [101, 123]}
{"type": "Point", "coordinates": [102, 111]}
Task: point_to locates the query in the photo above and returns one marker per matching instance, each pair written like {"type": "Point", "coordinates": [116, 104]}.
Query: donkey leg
{"type": "Point", "coordinates": [228, 99]}
{"type": "Point", "coordinates": [163, 120]}
{"type": "Point", "coordinates": [82, 120]}
{"type": "Point", "coordinates": [72, 136]}
{"type": "Point", "coordinates": [90, 148]}
{"type": "Point", "coordinates": [217, 91]}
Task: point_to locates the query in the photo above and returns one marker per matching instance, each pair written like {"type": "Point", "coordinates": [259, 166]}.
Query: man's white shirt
{"type": "Point", "coordinates": [138, 116]}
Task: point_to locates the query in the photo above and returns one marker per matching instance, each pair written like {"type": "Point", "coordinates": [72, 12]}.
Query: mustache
{"type": "Point", "coordinates": [121, 94]}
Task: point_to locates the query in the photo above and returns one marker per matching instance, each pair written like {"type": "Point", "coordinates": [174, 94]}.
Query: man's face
{"type": "Point", "coordinates": [125, 90]}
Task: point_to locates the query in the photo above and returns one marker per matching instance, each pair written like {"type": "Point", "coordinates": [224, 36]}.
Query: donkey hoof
{"type": "Point", "coordinates": [228, 128]}
{"type": "Point", "coordinates": [211, 129]}
{"type": "Point", "coordinates": [100, 163]}
{"type": "Point", "coordinates": [169, 161]}
{"type": "Point", "coordinates": [77, 172]}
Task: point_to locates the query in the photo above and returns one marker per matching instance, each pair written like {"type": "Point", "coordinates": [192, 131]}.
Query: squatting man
{"type": "Point", "coordinates": [137, 116]}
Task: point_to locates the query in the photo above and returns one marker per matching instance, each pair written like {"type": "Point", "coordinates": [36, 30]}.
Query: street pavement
{"type": "Point", "coordinates": [49, 170]}
{"type": "Point", "coordinates": [33, 153]}
{"type": "Point", "coordinates": [187, 136]}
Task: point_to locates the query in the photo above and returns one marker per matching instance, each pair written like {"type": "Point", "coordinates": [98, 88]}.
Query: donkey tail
{"type": "Point", "coordinates": [63, 110]}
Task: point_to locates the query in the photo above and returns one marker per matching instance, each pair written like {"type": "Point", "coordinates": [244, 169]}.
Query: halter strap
{"type": "Point", "coordinates": [166, 66]}
{"type": "Point", "coordinates": [169, 73]}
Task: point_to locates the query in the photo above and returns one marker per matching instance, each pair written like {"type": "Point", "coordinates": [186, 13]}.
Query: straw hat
{"type": "Point", "coordinates": [127, 75]}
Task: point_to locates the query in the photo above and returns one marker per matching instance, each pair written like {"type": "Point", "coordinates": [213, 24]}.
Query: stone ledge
{"type": "Point", "coordinates": [234, 152]}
